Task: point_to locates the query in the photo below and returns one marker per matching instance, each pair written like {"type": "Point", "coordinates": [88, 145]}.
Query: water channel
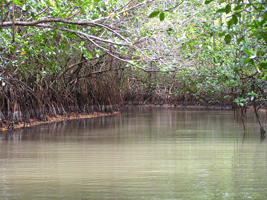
{"type": "Point", "coordinates": [143, 153]}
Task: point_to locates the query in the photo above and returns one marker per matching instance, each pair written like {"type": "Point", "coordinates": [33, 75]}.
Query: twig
{"type": "Point", "coordinates": [13, 19]}
{"type": "Point", "coordinates": [39, 13]}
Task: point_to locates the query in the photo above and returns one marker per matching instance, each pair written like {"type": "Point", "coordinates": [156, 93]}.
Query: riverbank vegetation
{"type": "Point", "coordinates": [59, 57]}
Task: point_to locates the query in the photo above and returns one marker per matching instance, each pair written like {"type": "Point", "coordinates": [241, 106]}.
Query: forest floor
{"type": "Point", "coordinates": [59, 118]}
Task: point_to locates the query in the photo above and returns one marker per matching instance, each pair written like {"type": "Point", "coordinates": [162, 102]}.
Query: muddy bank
{"type": "Point", "coordinates": [33, 117]}
{"type": "Point", "coordinates": [35, 122]}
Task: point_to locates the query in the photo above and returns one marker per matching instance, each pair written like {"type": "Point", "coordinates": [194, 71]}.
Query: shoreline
{"type": "Point", "coordinates": [6, 127]}
{"type": "Point", "coordinates": [196, 106]}
{"type": "Point", "coordinates": [59, 118]}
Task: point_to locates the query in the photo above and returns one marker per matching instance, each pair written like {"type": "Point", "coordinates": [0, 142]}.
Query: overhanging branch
{"type": "Point", "coordinates": [65, 21]}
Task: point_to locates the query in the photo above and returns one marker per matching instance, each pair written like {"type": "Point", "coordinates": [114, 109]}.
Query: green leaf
{"type": "Point", "coordinates": [262, 22]}
{"type": "Point", "coordinates": [169, 31]}
{"type": "Point", "coordinates": [154, 14]}
{"type": "Point", "coordinates": [221, 34]}
{"type": "Point", "coordinates": [248, 5]}
{"type": "Point", "coordinates": [260, 7]}
{"type": "Point", "coordinates": [228, 8]}
{"type": "Point", "coordinates": [238, 14]}
{"type": "Point", "coordinates": [230, 23]}
{"type": "Point", "coordinates": [82, 10]}
{"type": "Point", "coordinates": [256, 23]}
{"type": "Point", "coordinates": [236, 100]}
{"type": "Point", "coordinates": [238, 7]}
{"type": "Point", "coordinates": [247, 60]}
{"type": "Point", "coordinates": [234, 18]}
{"type": "Point", "coordinates": [12, 48]}
{"type": "Point", "coordinates": [250, 25]}
{"type": "Point", "coordinates": [208, 1]}
{"type": "Point", "coordinates": [240, 39]}
{"type": "Point", "coordinates": [247, 52]}
{"type": "Point", "coordinates": [220, 10]}
{"type": "Point", "coordinates": [263, 65]}
{"type": "Point", "coordinates": [162, 16]}
{"type": "Point", "coordinates": [18, 3]}
{"type": "Point", "coordinates": [227, 38]}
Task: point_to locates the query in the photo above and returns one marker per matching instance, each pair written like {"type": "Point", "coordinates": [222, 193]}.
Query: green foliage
{"type": "Point", "coordinates": [227, 38]}
{"type": "Point", "coordinates": [216, 46]}
{"type": "Point", "coordinates": [240, 101]}
{"type": "Point", "coordinates": [243, 56]}
{"type": "Point", "coordinates": [154, 14]}
{"type": "Point", "coordinates": [162, 16]}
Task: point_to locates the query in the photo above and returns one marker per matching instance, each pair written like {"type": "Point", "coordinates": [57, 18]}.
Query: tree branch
{"type": "Point", "coordinates": [53, 20]}
{"type": "Point", "coordinates": [81, 33]}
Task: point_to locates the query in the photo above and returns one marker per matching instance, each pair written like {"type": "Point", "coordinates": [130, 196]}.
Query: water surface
{"type": "Point", "coordinates": [143, 153]}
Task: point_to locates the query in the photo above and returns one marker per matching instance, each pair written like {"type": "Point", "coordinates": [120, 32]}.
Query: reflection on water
{"type": "Point", "coordinates": [144, 153]}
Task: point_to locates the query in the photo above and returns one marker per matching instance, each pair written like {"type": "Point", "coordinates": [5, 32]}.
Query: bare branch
{"type": "Point", "coordinates": [91, 39]}
{"type": "Point", "coordinates": [81, 33]}
{"type": "Point", "coordinates": [53, 20]}
{"type": "Point", "coordinates": [126, 10]}
{"type": "Point", "coordinates": [39, 13]}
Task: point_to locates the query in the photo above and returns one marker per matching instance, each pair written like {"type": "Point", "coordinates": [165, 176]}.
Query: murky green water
{"type": "Point", "coordinates": [144, 153]}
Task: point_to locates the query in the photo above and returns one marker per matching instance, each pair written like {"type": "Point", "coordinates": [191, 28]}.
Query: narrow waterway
{"type": "Point", "coordinates": [143, 153]}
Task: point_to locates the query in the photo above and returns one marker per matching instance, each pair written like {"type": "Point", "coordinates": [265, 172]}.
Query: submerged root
{"type": "Point", "coordinates": [262, 132]}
